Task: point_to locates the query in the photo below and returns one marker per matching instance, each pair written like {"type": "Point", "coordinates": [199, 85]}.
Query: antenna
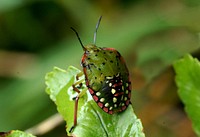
{"type": "Point", "coordinates": [78, 38]}
{"type": "Point", "coordinates": [97, 26]}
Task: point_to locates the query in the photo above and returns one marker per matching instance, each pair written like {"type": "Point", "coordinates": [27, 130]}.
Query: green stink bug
{"type": "Point", "coordinates": [106, 76]}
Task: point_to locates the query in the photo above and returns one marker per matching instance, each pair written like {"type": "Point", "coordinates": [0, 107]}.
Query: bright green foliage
{"type": "Point", "coordinates": [57, 79]}
{"type": "Point", "coordinates": [92, 120]}
{"type": "Point", "coordinates": [16, 133]}
{"type": "Point", "coordinates": [59, 87]}
{"type": "Point", "coordinates": [188, 82]}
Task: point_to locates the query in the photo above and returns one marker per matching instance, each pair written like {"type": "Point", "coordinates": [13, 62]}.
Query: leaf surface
{"type": "Point", "coordinates": [188, 82]}
{"type": "Point", "coordinates": [92, 120]}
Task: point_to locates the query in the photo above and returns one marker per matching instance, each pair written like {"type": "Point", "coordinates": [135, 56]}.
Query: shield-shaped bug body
{"type": "Point", "coordinates": [106, 77]}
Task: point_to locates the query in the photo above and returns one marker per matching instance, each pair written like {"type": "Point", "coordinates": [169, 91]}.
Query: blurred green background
{"type": "Point", "coordinates": [35, 36]}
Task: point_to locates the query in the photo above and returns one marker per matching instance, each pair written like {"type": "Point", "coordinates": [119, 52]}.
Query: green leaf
{"type": "Point", "coordinates": [92, 120]}
{"type": "Point", "coordinates": [59, 87]}
{"type": "Point", "coordinates": [58, 78]}
{"type": "Point", "coordinates": [65, 104]}
{"type": "Point", "coordinates": [188, 82]}
{"type": "Point", "coordinates": [15, 133]}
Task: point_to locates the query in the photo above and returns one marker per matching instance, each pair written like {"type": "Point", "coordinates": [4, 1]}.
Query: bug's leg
{"type": "Point", "coordinates": [79, 75]}
{"type": "Point", "coordinates": [78, 83]}
{"type": "Point", "coordinates": [76, 107]}
{"type": "Point", "coordinates": [80, 93]}
{"type": "Point", "coordinates": [75, 114]}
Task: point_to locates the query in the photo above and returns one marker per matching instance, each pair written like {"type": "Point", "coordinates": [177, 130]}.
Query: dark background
{"type": "Point", "coordinates": [35, 36]}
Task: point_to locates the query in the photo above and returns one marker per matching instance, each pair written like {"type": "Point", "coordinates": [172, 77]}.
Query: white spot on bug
{"type": "Point", "coordinates": [109, 77]}
{"type": "Point", "coordinates": [113, 91]}
{"type": "Point", "coordinates": [122, 97]}
{"type": "Point", "coordinates": [102, 99]}
{"type": "Point", "coordinates": [107, 104]}
{"type": "Point", "coordinates": [127, 84]}
{"type": "Point", "coordinates": [127, 91]}
{"type": "Point", "coordinates": [125, 98]}
{"type": "Point", "coordinates": [115, 105]}
{"type": "Point", "coordinates": [117, 75]}
{"type": "Point", "coordinates": [110, 84]}
{"type": "Point", "coordinates": [122, 88]}
{"type": "Point", "coordinates": [114, 100]}
{"type": "Point", "coordinates": [110, 108]}
{"type": "Point", "coordinates": [122, 104]}
{"type": "Point", "coordinates": [98, 93]}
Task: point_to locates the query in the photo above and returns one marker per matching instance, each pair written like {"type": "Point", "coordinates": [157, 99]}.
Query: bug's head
{"type": "Point", "coordinates": [91, 48]}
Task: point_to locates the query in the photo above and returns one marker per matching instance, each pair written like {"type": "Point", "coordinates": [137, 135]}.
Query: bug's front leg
{"type": "Point", "coordinates": [76, 87]}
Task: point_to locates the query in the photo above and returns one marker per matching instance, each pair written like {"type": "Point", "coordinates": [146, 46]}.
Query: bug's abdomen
{"type": "Point", "coordinates": [114, 95]}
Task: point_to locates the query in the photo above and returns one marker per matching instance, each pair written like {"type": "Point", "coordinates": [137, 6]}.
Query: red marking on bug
{"type": "Point", "coordinates": [112, 49]}
{"type": "Point", "coordinates": [127, 102]}
{"type": "Point", "coordinates": [91, 91]}
{"type": "Point", "coordinates": [100, 104]}
{"type": "Point", "coordinates": [124, 107]}
{"type": "Point", "coordinates": [87, 83]}
{"type": "Point", "coordinates": [117, 84]}
{"type": "Point", "coordinates": [95, 98]}
{"type": "Point", "coordinates": [118, 94]}
{"type": "Point", "coordinates": [83, 57]}
{"type": "Point", "coordinates": [84, 69]}
{"type": "Point", "coordinates": [105, 109]}
{"type": "Point", "coordinates": [110, 112]}
{"type": "Point", "coordinates": [129, 94]}
{"type": "Point", "coordinates": [120, 110]}
{"type": "Point", "coordinates": [129, 87]}
{"type": "Point", "coordinates": [122, 60]}
{"type": "Point", "coordinates": [86, 78]}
